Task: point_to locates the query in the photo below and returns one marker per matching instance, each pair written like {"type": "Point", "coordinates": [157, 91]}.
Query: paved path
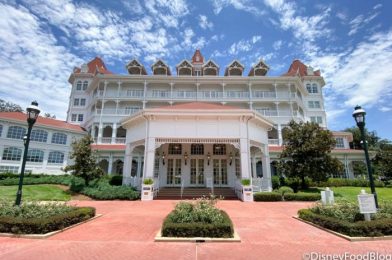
{"type": "Point", "coordinates": [127, 230]}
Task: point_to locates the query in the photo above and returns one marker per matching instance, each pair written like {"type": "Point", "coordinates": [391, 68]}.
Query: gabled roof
{"type": "Point", "coordinates": [134, 63]}
{"type": "Point", "coordinates": [160, 63]}
{"type": "Point", "coordinates": [95, 66]}
{"type": "Point", "coordinates": [260, 65]}
{"type": "Point", "coordinates": [197, 54]}
{"type": "Point", "coordinates": [234, 64]}
{"type": "Point", "coordinates": [297, 68]}
{"type": "Point", "coordinates": [187, 64]}
{"type": "Point", "coordinates": [210, 63]}
{"type": "Point", "coordinates": [41, 121]}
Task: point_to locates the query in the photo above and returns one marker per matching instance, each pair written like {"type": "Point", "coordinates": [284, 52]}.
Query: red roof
{"type": "Point", "coordinates": [109, 147]}
{"type": "Point", "coordinates": [95, 66]}
{"type": "Point", "coordinates": [297, 68]}
{"type": "Point", "coordinates": [197, 54]}
{"type": "Point", "coordinates": [199, 106]}
{"type": "Point", "coordinates": [42, 121]}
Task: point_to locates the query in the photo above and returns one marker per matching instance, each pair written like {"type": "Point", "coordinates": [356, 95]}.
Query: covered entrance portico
{"type": "Point", "coordinates": [197, 145]}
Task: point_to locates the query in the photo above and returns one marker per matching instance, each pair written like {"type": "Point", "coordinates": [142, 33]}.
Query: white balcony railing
{"type": "Point", "coordinates": [267, 113]}
{"type": "Point", "coordinates": [109, 140]}
{"type": "Point", "coordinates": [159, 94]}
{"type": "Point", "coordinates": [184, 94]}
{"type": "Point", "coordinates": [106, 140]}
{"type": "Point", "coordinates": [210, 94]}
{"type": "Point", "coordinates": [120, 140]}
{"type": "Point", "coordinates": [236, 94]}
{"type": "Point", "coordinates": [273, 141]}
{"type": "Point", "coordinates": [136, 93]}
{"type": "Point", "coordinates": [263, 94]}
{"type": "Point", "coordinates": [120, 111]}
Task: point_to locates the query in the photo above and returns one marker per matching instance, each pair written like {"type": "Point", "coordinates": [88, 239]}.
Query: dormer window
{"type": "Point", "coordinates": [234, 69]}
{"type": "Point", "coordinates": [197, 58]}
{"type": "Point", "coordinates": [184, 68]}
{"type": "Point", "coordinates": [134, 67]}
{"type": "Point", "coordinates": [210, 68]}
{"type": "Point", "coordinates": [160, 68]}
{"type": "Point", "coordinates": [260, 69]}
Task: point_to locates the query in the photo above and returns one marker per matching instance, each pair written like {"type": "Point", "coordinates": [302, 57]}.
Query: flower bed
{"type": "Point", "coordinates": [287, 196]}
{"type": "Point", "coordinates": [39, 218]}
{"type": "Point", "coordinates": [198, 219]}
{"type": "Point", "coordinates": [346, 219]}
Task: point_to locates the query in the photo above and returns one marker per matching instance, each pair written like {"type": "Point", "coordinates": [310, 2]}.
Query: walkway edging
{"type": "Point", "coordinates": [160, 238]}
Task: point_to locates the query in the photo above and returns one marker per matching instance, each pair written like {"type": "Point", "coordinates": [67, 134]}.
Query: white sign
{"type": "Point", "coordinates": [367, 204]}
{"type": "Point", "coordinates": [327, 197]}
{"type": "Point", "coordinates": [209, 183]}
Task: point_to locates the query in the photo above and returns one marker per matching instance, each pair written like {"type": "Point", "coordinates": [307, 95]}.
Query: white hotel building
{"type": "Point", "coordinates": [185, 127]}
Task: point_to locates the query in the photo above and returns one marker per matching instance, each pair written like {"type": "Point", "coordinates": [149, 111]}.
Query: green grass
{"type": "Point", "coordinates": [350, 193]}
{"type": "Point", "coordinates": [35, 192]}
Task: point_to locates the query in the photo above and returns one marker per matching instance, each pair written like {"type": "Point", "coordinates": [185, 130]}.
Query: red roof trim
{"type": "Point", "coordinates": [108, 147]}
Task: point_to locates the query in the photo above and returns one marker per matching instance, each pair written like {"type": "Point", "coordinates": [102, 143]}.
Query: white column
{"type": "Point", "coordinates": [119, 89]}
{"type": "Point", "coordinates": [110, 167]}
{"type": "Point", "coordinates": [254, 166]}
{"type": "Point", "coordinates": [46, 157]}
{"type": "Point", "coordinates": [277, 108]}
{"type": "Point", "coordinates": [244, 153]}
{"type": "Point", "coordinates": [280, 137]}
{"type": "Point", "coordinates": [149, 158]}
{"type": "Point", "coordinates": [93, 132]}
{"type": "Point", "coordinates": [100, 129]}
{"type": "Point", "coordinates": [114, 133]}
{"type": "Point", "coordinates": [145, 91]}
{"type": "Point", "coordinates": [267, 182]}
{"type": "Point", "coordinates": [127, 165]}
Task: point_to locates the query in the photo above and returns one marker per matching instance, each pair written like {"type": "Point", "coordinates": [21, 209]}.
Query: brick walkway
{"type": "Point", "coordinates": [127, 230]}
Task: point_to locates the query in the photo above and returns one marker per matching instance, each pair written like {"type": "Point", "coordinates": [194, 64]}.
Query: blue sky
{"type": "Point", "coordinates": [350, 41]}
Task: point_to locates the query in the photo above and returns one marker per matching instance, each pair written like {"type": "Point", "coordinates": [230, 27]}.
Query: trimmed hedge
{"type": "Point", "coordinates": [302, 196]}
{"type": "Point", "coordinates": [197, 229]}
{"type": "Point", "coordinates": [116, 180]}
{"type": "Point", "coordinates": [267, 196]}
{"type": "Point", "coordinates": [378, 227]}
{"type": "Point", "coordinates": [339, 182]}
{"type": "Point", "coordinates": [17, 225]}
{"type": "Point", "coordinates": [37, 179]}
{"type": "Point", "coordinates": [107, 192]}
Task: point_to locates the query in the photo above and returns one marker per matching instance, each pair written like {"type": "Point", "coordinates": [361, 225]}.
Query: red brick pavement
{"type": "Point", "coordinates": [127, 230]}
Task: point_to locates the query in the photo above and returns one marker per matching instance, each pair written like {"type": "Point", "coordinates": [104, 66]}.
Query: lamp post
{"type": "Point", "coordinates": [359, 116]}
{"type": "Point", "coordinates": [32, 115]}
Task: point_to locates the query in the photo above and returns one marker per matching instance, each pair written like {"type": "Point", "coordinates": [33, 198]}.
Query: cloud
{"type": "Point", "coordinates": [361, 21]}
{"type": "Point", "coordinates": [385, 109]}
{"type": "Point", "coordinates": [242, 5]}
{"type": "Point", "coordinates": [133, 6]}
{"type": "Point", "coordinates": [277, 45]}
{"type": "Point", "coordinates": [168, 12]}
{"type": "Point", "coordinates": [244, 45]}
{"type": "Point", "coordinates": [32, 63]}
{"type": "Point", "coordinates": [204, 23]}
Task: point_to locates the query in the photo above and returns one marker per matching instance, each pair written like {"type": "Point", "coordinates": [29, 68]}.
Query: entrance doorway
{"type": "Point", "coordinates": [173, 172]}
{"type": "Point", "coordinates": [220, 172]}
{"type": "Point", "coordinates": [197, 172]}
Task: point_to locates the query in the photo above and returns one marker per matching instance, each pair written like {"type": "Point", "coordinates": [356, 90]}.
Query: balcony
{"type": "Point", "coordinates": [109, 140]}
{"type": "Point", "coordinates": [273, 141]}
{"type": "Point", "coordinates": [263, 94]}
{"type": "Point", "coordinates": [280, 113]}
{"type": "Point", "coordinates": [185, 94]}
{"type": "Point", "coordinates": [119, 112]}
{"type": "Point", "coordinates": [158, 94]}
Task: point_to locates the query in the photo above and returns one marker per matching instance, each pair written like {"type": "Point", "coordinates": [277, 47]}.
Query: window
{"type": "Point", "coordinates": [16, 132]}
{"type": "Point", "coordinates": [35, 155]}
{"type": "Point", "coordinates": [237, 168]}
{"type": "Point", "coordinates": [59, 138]}
{"type": "Point", "coordinates": [175, 149]}
{"type": "Point", "coordinates": [339, 142]}
{"type": "Point", "coordinates": [198, 73]}
{"type": "Point", "coordinates": [85, 84]}
{"type": "Point", "coordinates": [73, 117]}
{"type": "Point", "coordinates": [39, 136]}
{"type": "Point", "coordinates": [314, 88]}
{"type": "Point", "coordinates": [197, 149]}
{"type": "Point", "coordinates": [11, 169]}
{"type": "Point", "coordinates": [314, 104]}
{"type": "Point", "coordinates": [316, 119]}
{"type": "Point", "coordinates": [80, 117]}
{"type": "Point", "coordinates": [309, 88]}
{"type": "Point", "coordinates": [156, 167]}
{"type": "Point", "coordinates": [79, 85]}
{"type": "Point", "coordinates": [1, 129]}
{"type": "Point", "coordinates": [76, 102]}
{"type": "Point", "coordinates": [12, 154]}
{"type": "Point", "coordinates": [219, 149]}
{"type": "Point", "coordinates": [82, 102]}
{"type": "Point", "coordinates": [56, 157]}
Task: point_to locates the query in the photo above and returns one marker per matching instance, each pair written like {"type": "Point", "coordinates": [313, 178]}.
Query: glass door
{"type": "Point", "coordinates": [197, 172]}
{"type": "Point", "coordinates": [173, 172]}
{"type": "Point", "coordinates": [220, 172]}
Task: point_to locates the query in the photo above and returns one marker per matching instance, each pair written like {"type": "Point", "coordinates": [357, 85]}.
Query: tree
{"type": "Point", "coordinates": [371, 137]}
{"type": "Point", "coordinates": [48, 115]}
{"type": "Point", "coordinates": [306, 152]}
{"type": "Point", "coordinates": [85, 161]}
{"type": "Point", "coordinates": [383, 160]}
{"type": "Point", "coordinates": [9, 107]}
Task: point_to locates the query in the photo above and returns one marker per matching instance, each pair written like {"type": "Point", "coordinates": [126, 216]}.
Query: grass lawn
{"type": "Point", "coordinates": [35, 192]}
{"type": "Point", "coordinates": [350, 193]}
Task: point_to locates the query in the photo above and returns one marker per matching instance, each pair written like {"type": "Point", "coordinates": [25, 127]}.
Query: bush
{"type": "Point", "coordinates": [339, 182]}
{"type": "Point", "coordinates": [197, 219]}
{"type": "Point", "coordinates": [378, 227]}
{"type": "Point", "coordinates": [284, 189]}
{"type": "Point", "coordinates": [100, 189]}
{"type": "Point", "coordinates": [116, 180]}
{"type": "Point", "coordinates": [148, 181]}
{"type": "Point", "coordinates": [38, 218]}
{"type": "Point", "coordinates": [32, 179]}
{"type": "Point", "coordinates": [275, 182]}
{"type": "Point", "coordinates": [77, 184]}
{"type": "Point", "coordinates": [245, 182]}
{"type": "Point", "coordinates": [302, 196]}
{"type": "Point", "coordinates": [267, 196]}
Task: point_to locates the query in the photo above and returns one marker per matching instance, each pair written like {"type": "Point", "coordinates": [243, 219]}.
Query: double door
{"type": "Point", "coordinates": [220, 172]}
{"type": "Point", "coordinates": [197, 172]}
{"type": "Point", "coordinates": [173, 172]}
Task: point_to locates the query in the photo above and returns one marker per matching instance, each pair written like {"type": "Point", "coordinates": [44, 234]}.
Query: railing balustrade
{"type": "Point", "coordinates": [273, 141]}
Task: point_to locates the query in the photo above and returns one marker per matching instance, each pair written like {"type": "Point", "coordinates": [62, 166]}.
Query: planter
{"type": "Point", "coordinates": [147, 192]}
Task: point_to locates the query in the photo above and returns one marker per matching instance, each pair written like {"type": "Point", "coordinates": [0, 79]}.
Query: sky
{"type": "Point", "coordinates": [41, 41]}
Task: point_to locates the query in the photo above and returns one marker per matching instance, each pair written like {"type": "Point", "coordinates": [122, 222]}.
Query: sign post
{"type": "Point", "coordinates": [367, 204]}
{"type": "Point", "coordinates": [327, 197]}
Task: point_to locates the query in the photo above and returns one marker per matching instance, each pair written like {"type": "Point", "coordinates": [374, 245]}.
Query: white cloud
{"type": "Point", "coordinates": [385, 109]}
{"type": "Point", "coordinates": [32, 64]}
{"type": "Point", "coordinates": [133, 6]}
{"type": "Point", "coordinates": [277, 45]}
{"type": "Point", "coordinates": [168, 12]}
{"type": "Point", "coordinates": [244, 45]}
{"type": "Point", "coordinates": [204, 23]}
{"type": "Point", "coordinates": [242, 5]}
{"type": "Point", "coordinates": [361, 21]}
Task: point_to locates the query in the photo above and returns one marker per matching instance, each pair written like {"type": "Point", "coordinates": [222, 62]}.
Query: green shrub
{"type": "Point", "coordinates": [197, 219]}
{"type": "Point", "coordinates": [100, 189]}
{"type": "Point", "coordinates": [284, 189]}
{"type": "Point", "coordinates": [38, 218]}
{"type": "Point", "coordinates": [77, 184]}
{"type": "Point", "coordinates": [32, 179]}
{"type": "Point", "coordinates": [378, 227]}
{"type": "Point", "coordinates": [275, 182]}
{"type": "Point", "coordinates": [5, 175]}
{"type": "Point", "coordinates": [267, 196]}
{"type": "Point", "coordinates": [116, 180]}
{"type": "Point", "coordinates": [245, 182]}
{"type": "Point", "coordinates": [339, 182]}
{"type": "Point", "coordinates": [302, 196]}
{"type": "Point", "coordinates": [148, 181]}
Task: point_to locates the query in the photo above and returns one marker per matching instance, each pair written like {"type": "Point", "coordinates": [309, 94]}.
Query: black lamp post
{"type": "Point", "coordinates": [32, 115]}
{"type": "Point", "coordinates": [359, 116]}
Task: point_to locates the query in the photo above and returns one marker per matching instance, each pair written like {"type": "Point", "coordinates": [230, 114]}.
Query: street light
{"type": "Point", "coordinates": [359, 116]}
{"type": "Point", "coordinates": [32, 115]}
